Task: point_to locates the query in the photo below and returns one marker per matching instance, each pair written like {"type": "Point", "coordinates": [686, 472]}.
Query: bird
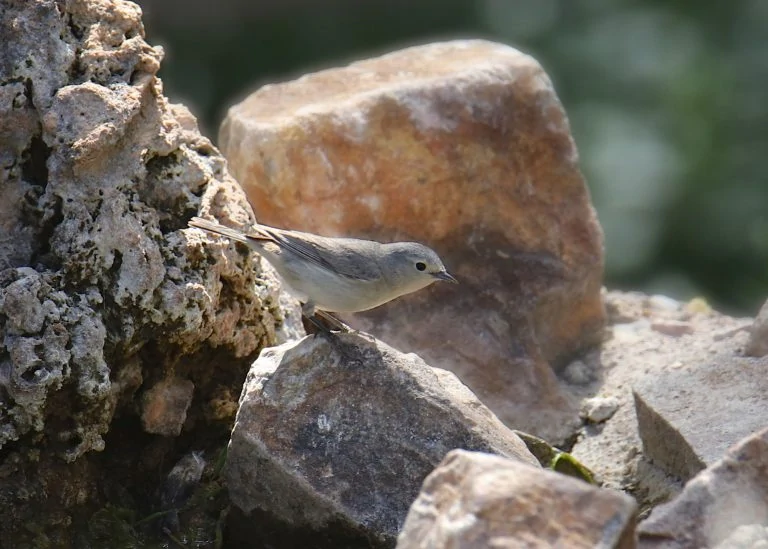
{"type": "Point", "coordinates": [338, 275]}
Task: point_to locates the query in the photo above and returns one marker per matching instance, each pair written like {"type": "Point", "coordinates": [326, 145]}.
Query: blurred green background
{"type": "Point", "coordinates": [668, 102]}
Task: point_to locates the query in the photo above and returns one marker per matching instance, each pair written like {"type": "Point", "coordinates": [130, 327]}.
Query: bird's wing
{"type": "Point", "coordinates": [234, 234]}
{"type": "Point", "coordinates": [347, 256]}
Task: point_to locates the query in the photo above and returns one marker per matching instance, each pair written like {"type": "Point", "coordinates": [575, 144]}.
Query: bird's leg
{"type": "Point", "coordinates": [321, 328]}
{"type": "Point", "coordinates": [342, 326]}
{"type": "Point", "coordinates": [308, 311]}
{"type": "Point", "coordinates": [334, 322]}
{"type": "Point", "coordinates": [330, 322]}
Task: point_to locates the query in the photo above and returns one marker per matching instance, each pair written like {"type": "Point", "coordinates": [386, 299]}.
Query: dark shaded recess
{"type": "Point", "coordinates": [262, 530]}
{"type": "Point", "coordinates": [203, 366]}
{"type": "Point", "coordinates": [170, 199]}
{"type": "Point", "coordinates": [34, 169]}
{"type": "Point", "coordinates": [52, 218]}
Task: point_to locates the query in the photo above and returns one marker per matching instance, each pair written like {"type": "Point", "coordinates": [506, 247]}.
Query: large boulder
{"type": "Point", "coordinates": [463, 146]}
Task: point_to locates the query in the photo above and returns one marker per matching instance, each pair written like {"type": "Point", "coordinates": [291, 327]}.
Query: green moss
{"type": "Point", "coordinates": [555, 459]}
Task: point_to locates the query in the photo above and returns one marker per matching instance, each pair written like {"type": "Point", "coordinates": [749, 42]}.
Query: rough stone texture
{"type": "Point", "coordinates": [334, 436]}
{"type": "Point", "coordinates": [463, 146]}
{"type": "Point", "coordinates": [165, 405]}
{"type": "Point", "coordinates": [690, 415]}
{"type": "Point", "coordinates": [634, 355]}
{"type": "Point", "coordinates": [729, 494]}
{"type": "Point", "coordinates": [477, 500]}
{"type": "Point", "coordinates": [103, 292]}
{"type": "Point", "coordinates": [758, 334]}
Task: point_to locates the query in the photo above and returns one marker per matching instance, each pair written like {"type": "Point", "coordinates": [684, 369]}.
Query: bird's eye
{"type": "Point", "coordinates": [421, 266]}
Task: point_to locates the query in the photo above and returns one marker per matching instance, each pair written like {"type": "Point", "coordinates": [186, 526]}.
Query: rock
{"type": "Point", "coordinates": [758, 334]}
{"type": "Point", "coordinates": [748, 536]}
{"type": "Point", "coordinates": [664, 303]}
{"type": "Point", "coordinates": [716, 505]}
{"type": "Point", "coordinates": [579, 373]}
{"type": "Point", "coordinates": [165, 406]}
{"type": "Point", "coordinates": [638, 357]}
{"type": "Point", "coordinates": [463, 146]}
{"type": "Point", "coordinates": [109, 176]}
{"type": "Point", "coordinates": [103, 290]}
{"type": "Point", "coordinates": [690, 415]}
{"type": "Point", "coordinates": [179, 485]}
{"type": "Point", "coordinates": [334, 437]}
{"type": "Point", "coordinates": [599, 409]}
{"type": "Point", "coordinates": [673, 328]}
{"type": "Point", "coordinates": [477, 500]}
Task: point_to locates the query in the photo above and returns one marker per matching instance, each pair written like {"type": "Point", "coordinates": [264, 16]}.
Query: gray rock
{"type": "Point", "coordinates": [638, 356]}
{"type": "Point", "coordinates": [748, 536]}
{"type": "Point", "coordinates": [474, 500]}
{"type": "Point", "coordinates": [599, 409]}
{"type": "Point", "coordinates": [338, 433]}
{"type": "Point", "coordinates": [716, 505]}
{"type": "Point", "coordinates": [689, 417]}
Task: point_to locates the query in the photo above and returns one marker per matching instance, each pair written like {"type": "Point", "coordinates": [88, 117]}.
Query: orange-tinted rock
{"type": "Point", "coordinates": [463, 146]}
{"type": "Point", "coordinates": [165, 406]}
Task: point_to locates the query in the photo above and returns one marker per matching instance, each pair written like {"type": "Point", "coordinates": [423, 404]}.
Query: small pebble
{"type": "Point", "coordinates": [673, 328]}
{"type": "Point", "coordinates": [664, 303]}
{"type": "Point", "coordinates": [578, 373]}
{"type": "Point", "coordinates": [599, 409]}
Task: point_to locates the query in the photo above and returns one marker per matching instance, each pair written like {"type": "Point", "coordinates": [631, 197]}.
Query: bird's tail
{"type": "Point", "coordinates": [216, 228]}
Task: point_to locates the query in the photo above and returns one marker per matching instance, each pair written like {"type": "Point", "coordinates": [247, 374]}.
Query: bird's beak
{"type": "Point", "coordinates": [443, 275]}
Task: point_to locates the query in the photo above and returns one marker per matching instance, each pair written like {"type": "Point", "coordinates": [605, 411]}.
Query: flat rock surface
{"type": "Point", "coordinates": [690, 414]}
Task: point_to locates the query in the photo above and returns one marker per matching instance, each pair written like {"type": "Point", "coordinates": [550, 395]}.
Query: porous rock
{"type": "Point", "coordinates": [335, 435]}
{"type": "Point", "coordinates": [103, 290]}
{"type": "Point", "coordinates": [478, 500]}
{"type": "Point", "coordinates": [463, 146]}
{"type": "Point", "coordinates": [716, 506]}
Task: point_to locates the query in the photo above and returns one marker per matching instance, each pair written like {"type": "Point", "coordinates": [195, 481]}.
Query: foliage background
{"type": "Point", "coordinates": [668, 102]}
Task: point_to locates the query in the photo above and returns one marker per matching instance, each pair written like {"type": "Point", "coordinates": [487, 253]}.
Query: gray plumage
{"type": "Point", "coordinates": [339, 274]}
